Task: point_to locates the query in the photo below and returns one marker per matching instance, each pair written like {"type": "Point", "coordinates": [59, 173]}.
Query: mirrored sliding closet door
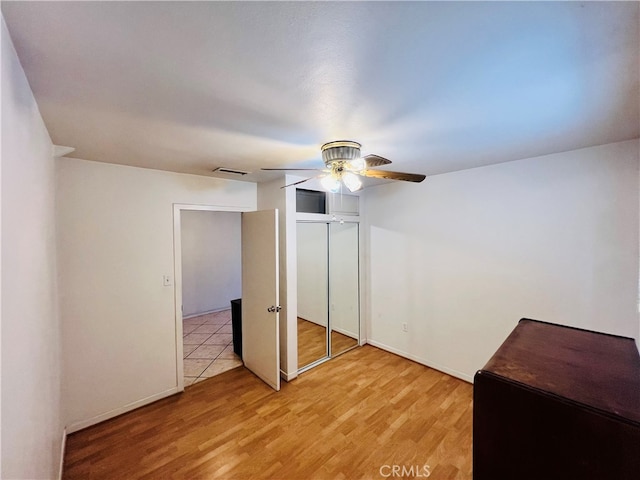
{"type": "Point", "coordinates": [313, 292]}
{"type": "Point", "coordinates": [344, 313]}
{"type": "Point", "coordinates": [328, 290]}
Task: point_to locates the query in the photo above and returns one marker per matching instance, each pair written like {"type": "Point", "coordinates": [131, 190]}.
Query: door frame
{"type": "Point", "coordinates": [177, 275]}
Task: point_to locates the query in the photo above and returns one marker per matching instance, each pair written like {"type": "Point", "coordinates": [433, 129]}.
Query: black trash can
{"type": "Point", "coordinates": [236, 325]}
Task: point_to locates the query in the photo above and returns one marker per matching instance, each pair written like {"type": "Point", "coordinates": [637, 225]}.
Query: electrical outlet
{"type": "Point", "coordinates": [405, 327]}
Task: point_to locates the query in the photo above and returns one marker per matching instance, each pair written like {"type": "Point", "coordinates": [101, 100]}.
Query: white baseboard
{"type": "Point", "coordinates": [193, 315]}
{"type": "Point", "coordinates": [324, 325]}
{"type": "Point", "coordinates": [79, 425]}
{"type": "Point", "coordinates": [339, 330]}
{"type": "Point", "coordinates": [63, 447]}
{"type": "Point", "coordinates": [287, 377]}
{"type": "Point", "coordinates": [422, 361]}
{"type": "Point", "coordinates": [346, 333]}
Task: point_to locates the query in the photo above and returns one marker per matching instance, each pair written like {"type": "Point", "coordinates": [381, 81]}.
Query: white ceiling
{"type": "Point", "coordinates": [435, 87]}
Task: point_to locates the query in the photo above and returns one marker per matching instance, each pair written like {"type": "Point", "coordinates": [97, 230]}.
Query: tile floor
{"type": "Point", "coordinates": [208, 346]}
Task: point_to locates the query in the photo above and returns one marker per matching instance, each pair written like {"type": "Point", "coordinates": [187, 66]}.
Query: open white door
{"type": "Point", "coordinates": [260, 307]}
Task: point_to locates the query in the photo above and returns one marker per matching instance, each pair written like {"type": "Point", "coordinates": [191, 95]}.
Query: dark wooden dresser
{"type": "Point", "coordinates": [557, 402]}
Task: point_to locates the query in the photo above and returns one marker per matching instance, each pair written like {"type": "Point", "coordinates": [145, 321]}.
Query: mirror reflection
{"type": "Point", "coordinates": [328, 290]}
{"type": "Point", "coordinates": [313, 292]}
{"type": "Point", "coordinates": [343, 287]}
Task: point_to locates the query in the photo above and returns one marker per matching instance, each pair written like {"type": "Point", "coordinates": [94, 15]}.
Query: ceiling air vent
{"type": "Point", "coordinates": [230, 171]}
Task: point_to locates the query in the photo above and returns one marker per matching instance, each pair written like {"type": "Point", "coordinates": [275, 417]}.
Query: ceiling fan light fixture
{"type": "Point", "coordinates": [345, 165]}
{"type": "Point", "coordinates": [357, 165]}
{"type": "Point", "coordinates": [352, 181]}
{"type": "Point", "coordinates": [342, 150]}
{"type": "Point", "coordinates": [330, 183]}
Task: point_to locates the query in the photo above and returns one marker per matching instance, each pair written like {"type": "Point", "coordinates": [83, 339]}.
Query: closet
{"type": "Point", "coordinates": [328, 272]}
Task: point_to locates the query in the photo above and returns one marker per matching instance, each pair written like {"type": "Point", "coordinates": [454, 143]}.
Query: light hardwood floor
{"type": "Point", "coordinates": [345, 419]}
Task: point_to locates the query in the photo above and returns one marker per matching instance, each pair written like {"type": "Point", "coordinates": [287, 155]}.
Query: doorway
{"type": "Point", "coordinates": [207, 278]}
{"type": "Point", "coordinates": [258, 240]}
{"type": "Point", "coordinates": [211, 279]}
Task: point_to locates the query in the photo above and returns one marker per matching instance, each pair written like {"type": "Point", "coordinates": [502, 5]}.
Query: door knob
{"type": "Point", "coordinates": [273, 309]}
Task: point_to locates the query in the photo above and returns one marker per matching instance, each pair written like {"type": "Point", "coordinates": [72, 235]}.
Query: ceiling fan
{"type": "Point", "coordinates": [344, 165]}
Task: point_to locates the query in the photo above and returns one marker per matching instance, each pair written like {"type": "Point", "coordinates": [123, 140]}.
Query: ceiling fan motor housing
{"type": "Point", "coordinates": [340, 151]}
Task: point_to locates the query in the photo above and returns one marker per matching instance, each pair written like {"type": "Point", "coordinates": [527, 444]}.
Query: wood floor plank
{"type": "Point", "coordinates": [344, 419]}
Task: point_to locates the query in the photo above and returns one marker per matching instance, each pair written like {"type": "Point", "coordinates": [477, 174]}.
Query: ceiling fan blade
{"type": "Point", "coordinates": [297, 183]}
{"type": "Point", "coordinates": [407, 177]}
{"type": "Point", "coordinates": [375, 160]}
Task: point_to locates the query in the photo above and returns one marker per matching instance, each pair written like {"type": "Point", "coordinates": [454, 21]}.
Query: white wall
{"type": "Point", "coordinates": [211, 260]}
{"type": "Point", "coordinates": [115, 237]}
{"type": "Point", "coordinates": [463, 256]}
{"type": "Point", "coordinates": [32, 423]}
